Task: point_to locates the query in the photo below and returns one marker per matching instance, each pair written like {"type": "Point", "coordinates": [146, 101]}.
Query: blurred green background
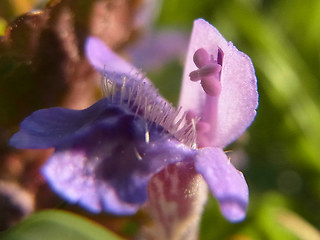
{"type": "Point", "coordinates": [282, 163]}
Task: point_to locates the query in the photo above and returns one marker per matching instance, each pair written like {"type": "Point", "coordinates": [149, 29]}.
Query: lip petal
{"type": "Point", "coordinates": [108, 168]}
{"type": "Point", "coordinates": [67, 173]}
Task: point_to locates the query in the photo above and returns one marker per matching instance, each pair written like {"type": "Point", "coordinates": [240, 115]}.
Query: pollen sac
{"type": "Point", "coordinates": [208, 72]}
{"type": "Point", "coordinates": [201, 57]}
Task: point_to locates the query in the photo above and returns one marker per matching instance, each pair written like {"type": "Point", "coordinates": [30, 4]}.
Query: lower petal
{"type": "Point", "coordinates": [108, 168]}
{"type": "Point", "coordinates": [227, 184]}
{"type": "Point", "coordinates": [70, 176]}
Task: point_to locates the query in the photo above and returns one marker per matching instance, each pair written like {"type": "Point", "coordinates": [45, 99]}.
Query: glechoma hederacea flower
{"type": "Point", "coordinates": [106, 154]}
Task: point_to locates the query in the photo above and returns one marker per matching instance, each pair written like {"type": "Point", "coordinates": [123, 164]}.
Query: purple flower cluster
{"type": "Point", "coordinates": [106, 154]}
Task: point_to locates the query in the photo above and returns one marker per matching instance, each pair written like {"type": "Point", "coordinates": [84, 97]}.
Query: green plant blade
{"type": "Point", "coordinates": [56, 224]}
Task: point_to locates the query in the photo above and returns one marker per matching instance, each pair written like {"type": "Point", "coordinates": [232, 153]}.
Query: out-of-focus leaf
{"type": "Point", "coordinates": [53, 225]}
{"type": "Point", "coordinates": [3, 25]}
{"type": "Point", "coordinates": [168, 81]}
{"type": "Point", "coordinates": [213, 225]}
{"type": "Point", "coordinates": [297, 225]}
{"type": "Point", "coordinates": [10, 9]}
{"type": "Point", "coordinates": [267, 214]}
{"type": "Point", "coordinates": [180, 12]}
{"type": "Point", "coordinates": [276, 221]}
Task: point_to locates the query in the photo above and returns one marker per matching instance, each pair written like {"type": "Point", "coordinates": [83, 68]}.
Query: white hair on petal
{"type": "Point", "coordinates": [143, 99]}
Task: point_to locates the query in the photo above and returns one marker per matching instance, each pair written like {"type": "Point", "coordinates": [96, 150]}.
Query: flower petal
{"type": "Point", "coordinates": [52, 127]}
{"type": "Point", "coordinates": [227, 184]}
{"type": "Point", "coordinates": [69, 175]}
{"type": "Point", "coordinates": [104, 59]}
{"type": "Point", "coordinates": [238, 99]}
{"type": "Point", "coordinates": [108, 167]}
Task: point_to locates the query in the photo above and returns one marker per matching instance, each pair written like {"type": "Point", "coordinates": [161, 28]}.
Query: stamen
{"type": "Point", "coordinates": [220, 56]}
{"type": "Point", "coordinates": [209, 70]}
{"type": "Point", "coordinates": [211, 85]}
{"type": "Point", "coordinates": [201, 57]}
{"type": "Point", "coordinates": [195, 75]}
{"type": "Point", "coordinates": [209, 73]}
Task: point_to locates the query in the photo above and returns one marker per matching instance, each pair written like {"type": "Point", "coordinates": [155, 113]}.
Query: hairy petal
{"type": "Point", "coordinates": [238, 99]}
{"type": "Point", "coordinates": [227, 184]}
{"type": "Point", "coordinates": [111, 65]}
{"type": "Point", "coordinates": [108, 167]}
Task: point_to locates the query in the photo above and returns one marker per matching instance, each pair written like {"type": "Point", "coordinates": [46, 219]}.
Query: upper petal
{"type": "Point", "coordinates": [227, 184]}
{"type": "Point", "coordinates": [104, 59]}
{"type": "Point", "coordinates": [111, 65]}
{"type": "Point", "coordinates": [238, 99]}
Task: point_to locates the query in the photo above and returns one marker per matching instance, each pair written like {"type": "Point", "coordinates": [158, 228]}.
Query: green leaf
{"type": "Point", "coordinates": [57, 224]}
{"type": "Point", "coordinates": [3, 25]}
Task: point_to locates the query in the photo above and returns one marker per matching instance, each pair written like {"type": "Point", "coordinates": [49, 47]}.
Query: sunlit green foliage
{"type": "Point", "coordinates": [53, 225]}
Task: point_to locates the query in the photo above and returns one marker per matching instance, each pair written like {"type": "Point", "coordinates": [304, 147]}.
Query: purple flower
{"type": "Point", "coordinates": [106, 154]}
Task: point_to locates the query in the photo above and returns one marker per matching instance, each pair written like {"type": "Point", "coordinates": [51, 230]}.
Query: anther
{"type": "Point", "coordinates": [211, 85]}
{"type": "Point", "coordinates": [201, 58]}
{"type": "Point", "coordinates": [220, 56]}
{"type": "Point", "coordinates": [208, 72]}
